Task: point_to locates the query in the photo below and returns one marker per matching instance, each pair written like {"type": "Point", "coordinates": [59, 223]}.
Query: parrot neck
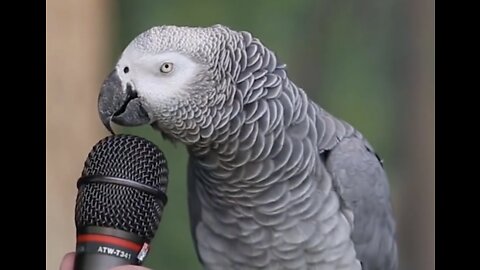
{"type": "Point", "coordinates": [270, 138]}
{"type": "Point", "coordinates": [255, 148]}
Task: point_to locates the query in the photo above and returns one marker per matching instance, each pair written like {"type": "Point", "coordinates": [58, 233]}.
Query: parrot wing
{"type": "Point", "coordinates": [359, 178]}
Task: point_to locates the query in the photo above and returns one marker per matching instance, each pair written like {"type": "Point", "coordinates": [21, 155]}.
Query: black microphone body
{"type": "Point", "coordinates": [121, 197]}
{"type": "Point", "coordinates": [105, 248]}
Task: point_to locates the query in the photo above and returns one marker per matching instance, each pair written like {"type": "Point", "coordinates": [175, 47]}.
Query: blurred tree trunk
{"type": "Point", "coordinates": [419, 129]}
{"type": "Point", "coordinates": [77, 36]}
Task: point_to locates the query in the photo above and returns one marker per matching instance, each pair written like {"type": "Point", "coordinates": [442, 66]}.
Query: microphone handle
{"type": "Point", "coordinates": [102, 248]}
{"type": "Point", "coordinates": [97, 262]}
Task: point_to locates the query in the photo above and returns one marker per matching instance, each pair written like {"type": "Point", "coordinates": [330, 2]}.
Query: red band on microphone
{"type": "Point", "coordinates": [108, 240]}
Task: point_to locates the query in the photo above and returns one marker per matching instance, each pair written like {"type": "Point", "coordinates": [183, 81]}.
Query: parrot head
{"type": "Point", "coordinates": [173, 78]}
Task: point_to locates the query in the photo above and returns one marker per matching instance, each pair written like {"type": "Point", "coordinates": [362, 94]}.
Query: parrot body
{"type": "Point", "coordinates": [274, 181]}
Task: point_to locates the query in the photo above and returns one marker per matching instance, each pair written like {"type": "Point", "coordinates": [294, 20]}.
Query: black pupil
{"type": "Point", "coordinates": [126, 69]}
{"type": "Point", "coordinates": [166, 66]}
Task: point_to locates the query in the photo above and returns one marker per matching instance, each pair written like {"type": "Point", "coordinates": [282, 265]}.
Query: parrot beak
{"type": "Point", "coordinates": [121, 106]}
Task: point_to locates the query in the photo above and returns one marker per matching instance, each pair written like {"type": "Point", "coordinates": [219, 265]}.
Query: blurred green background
{"type": "Point", "coordinates": [368, 62]}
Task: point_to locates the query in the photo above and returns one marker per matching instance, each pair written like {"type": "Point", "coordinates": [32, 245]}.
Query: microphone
{"type": "Point", "coordinates": [120, 201]}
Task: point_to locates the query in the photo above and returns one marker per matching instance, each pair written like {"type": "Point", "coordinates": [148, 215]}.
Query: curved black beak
{"type": "Point", "coordinates": [121, 106]}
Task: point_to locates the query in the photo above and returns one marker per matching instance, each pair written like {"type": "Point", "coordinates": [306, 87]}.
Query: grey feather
{"type": "Point", "coordinates": [364, 189]}
{"type": "Point", "coordinates": [274, 181]}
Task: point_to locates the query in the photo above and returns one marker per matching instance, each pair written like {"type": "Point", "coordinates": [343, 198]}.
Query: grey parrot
{"type": "Point", "coordinates": [274, 181]}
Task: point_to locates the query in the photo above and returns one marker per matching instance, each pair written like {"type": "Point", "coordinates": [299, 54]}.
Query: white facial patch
{"type": "Point", "coordinates": [155, 86]}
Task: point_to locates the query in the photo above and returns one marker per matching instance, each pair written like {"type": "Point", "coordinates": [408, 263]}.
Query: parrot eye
{"type": "Point", "coordinates": [166, 67]}
{"type": "Point", "coordinates": [126, 70]}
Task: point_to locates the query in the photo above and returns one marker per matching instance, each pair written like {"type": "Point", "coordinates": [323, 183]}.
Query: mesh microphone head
{"type": "Point", "coordinates": [119, 206]}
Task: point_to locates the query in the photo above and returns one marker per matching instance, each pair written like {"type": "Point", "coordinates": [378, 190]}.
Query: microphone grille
{"type": "Point", "coordinates": [119, 206]}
